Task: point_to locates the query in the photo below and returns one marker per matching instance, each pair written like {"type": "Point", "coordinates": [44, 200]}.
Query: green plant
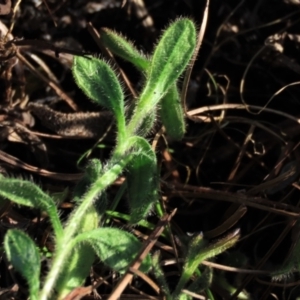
{"type": "Point", "coordinates": [170, 108]}
{"type": "Point", "coordinates": [83, 236]}
{"type": "Point", "coordinates": [198, 250]}
{"type": "Point", "coordinates": [292, 263]}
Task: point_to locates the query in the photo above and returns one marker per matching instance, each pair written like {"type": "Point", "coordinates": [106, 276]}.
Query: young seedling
{"type": "Point", "coordinates": [170, 108]}
{"type": "Point", "coordinates": [199, 250]}
{"type": "Point", "coordinates": [83, 236]}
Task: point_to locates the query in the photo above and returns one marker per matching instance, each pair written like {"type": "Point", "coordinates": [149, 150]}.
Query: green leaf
{"type": "Point", "coordinates": [293, 262]}
{"type": "Point", "coordinates": [172, 115]}
{"type": "Point", "coordinates": [185, 297]}
{"type": "Point", "coordinates": [29, 194]}
{"type": "Point", "coordinates": [141, 180]}
{"type": "Point", "coordinates": [148, 124]}
{"type": "Point", "coordinates": [202, 282]}
{"type": "Point", "coordinates": [221, 280]}
{"type": "Point", "coordinates": [77, 269]}
{"type": "Point", "coordinates": [199, 250]}
{"type": "Point", "coordinates": [170, 109]}
{"type": "Point", "coordinates": [115, 247]}
{"type": "Point", "coordinates": [60, 196]}
{"type": "Point", "coordinates": [22, 252]}
{"type": "Point", "coordinates": [169, 60]}
{"type": "Point", "coordinates": [99, 82]}
{"type": "Point", "coordinates": [92, 171]}
{"type": "Point", "coordinates": [123, 48]}
{"type": "Point", "coordinates": [216, 248]}
{"type": "Point", "coordinates": [172, 55]}
{"type": "Point", "coordinates": [159, 275]}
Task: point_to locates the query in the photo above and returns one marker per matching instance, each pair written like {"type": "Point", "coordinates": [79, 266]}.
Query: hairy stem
{"type": "Point", "coordinates": [64, 246]}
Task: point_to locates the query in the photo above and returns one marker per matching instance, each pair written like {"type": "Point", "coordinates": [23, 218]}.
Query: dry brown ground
{"type": "Point", "coordinates": [238, 165]}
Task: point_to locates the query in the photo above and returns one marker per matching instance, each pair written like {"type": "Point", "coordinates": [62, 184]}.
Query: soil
{"type": "Point", "coordinates": [237, 167]}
